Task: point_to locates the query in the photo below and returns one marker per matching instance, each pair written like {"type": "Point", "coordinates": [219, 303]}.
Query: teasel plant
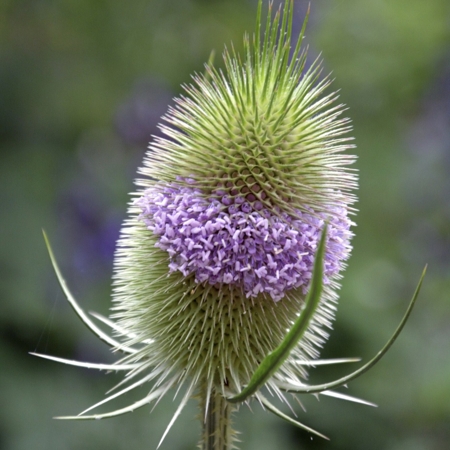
{"type": "Point", "coordinates": [227, 267]}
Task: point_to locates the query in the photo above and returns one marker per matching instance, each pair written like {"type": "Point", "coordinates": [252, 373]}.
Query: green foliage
{"type": "Point", "coordinates": [386, 51]}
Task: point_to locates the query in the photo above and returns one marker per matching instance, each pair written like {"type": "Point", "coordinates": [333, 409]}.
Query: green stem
{"type": "Point", "coordinates": [217, 432]}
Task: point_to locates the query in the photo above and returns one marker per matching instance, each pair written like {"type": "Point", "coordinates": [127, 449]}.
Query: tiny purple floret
{"type": "Point", "coordinates": [242, 244]}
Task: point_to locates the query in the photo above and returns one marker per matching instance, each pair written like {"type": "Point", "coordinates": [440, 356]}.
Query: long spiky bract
{"type": "Point", "coordinates": [226, 271]}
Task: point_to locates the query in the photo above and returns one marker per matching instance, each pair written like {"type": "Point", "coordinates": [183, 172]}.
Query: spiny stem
{"type": "Point", "coordinates": [217, 431]}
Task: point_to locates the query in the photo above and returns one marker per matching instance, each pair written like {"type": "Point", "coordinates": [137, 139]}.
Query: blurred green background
{"type": "Point", "coordinates": [82, 86]}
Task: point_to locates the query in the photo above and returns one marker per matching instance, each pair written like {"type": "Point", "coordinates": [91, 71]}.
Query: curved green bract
{"type": "Point", "coordinates": [341, 381]}
{"type": "Point", "coordinates": [76, 307]}
{"type": "Point", "coordinates": [288, 419]}
{"type": "Point", "coordinates": [275, 359]}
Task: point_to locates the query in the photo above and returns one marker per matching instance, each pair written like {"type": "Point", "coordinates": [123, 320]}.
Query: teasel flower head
{"type": "Point", "coordinates": [238, 233]}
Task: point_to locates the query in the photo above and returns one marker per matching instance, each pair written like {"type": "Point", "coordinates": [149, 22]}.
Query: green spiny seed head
{"type": "Point", "coordinates": [215, 262]}
{"type": "Point", "coordinates": [262, 133]}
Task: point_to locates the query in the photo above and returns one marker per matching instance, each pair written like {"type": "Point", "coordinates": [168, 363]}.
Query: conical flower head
{"type": "Point", "coordinates": [215, 260]}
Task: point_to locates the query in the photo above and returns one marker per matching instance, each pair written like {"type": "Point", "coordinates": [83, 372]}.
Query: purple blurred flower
{"type": "Point", "coordinates": [138, 116]}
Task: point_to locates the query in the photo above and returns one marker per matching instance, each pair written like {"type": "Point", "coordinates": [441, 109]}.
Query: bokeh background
{"type": "Point", "coordinates": [82, 86]}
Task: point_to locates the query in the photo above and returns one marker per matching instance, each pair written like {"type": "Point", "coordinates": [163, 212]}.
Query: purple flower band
{"type": "Point", "coordinates": [238, 243]}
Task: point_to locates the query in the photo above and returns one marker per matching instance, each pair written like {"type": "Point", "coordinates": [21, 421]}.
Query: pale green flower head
{"type": "Point", "coordinates": [227, 267]}
{"type": "Point", "coordinates": [258, 141]}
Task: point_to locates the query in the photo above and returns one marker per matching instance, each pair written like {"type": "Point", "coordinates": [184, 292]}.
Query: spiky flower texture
{"type": "Point", "coordinates": [217, 260]}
